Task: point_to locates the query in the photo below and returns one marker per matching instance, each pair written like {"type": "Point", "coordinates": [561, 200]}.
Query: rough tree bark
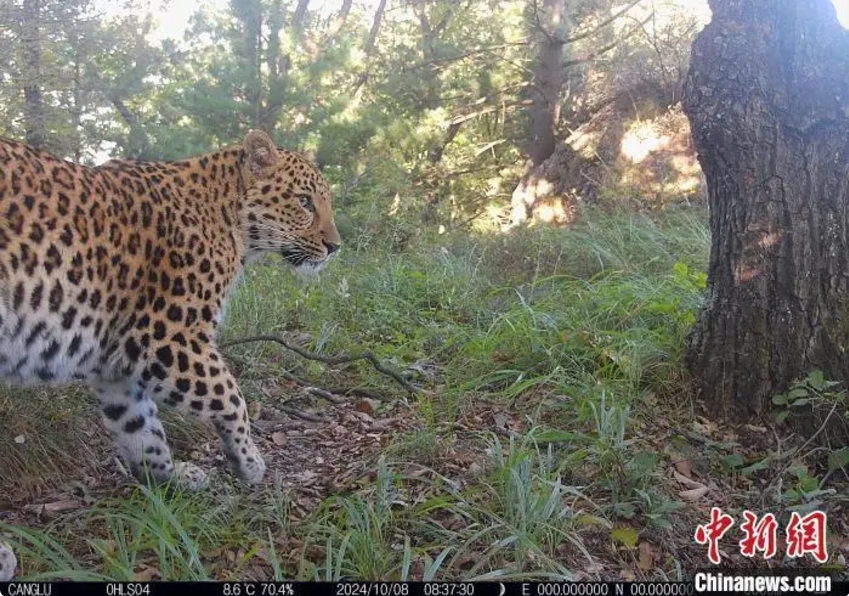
{"type": "Point", "coordinates": [767, 97]}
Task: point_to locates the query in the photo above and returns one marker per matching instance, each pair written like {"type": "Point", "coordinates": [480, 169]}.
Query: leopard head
{"type": "Point", "coordinates": [287, 208]}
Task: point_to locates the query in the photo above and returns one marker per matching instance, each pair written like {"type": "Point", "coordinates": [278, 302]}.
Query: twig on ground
{"type": "Point", "coordinates": [794, 452]}
{"type": "Point", "coordinates": [302, 415]}
{"type": "Point", "coordinates": [324, 394]}
{"type": "Point", "coordinates": [362, 392]}
{"type": "Point", "coordinates": [332, 360]}
{"type": "Point", "coordinates": [332, 391]}
{"type": "Point", "coordinates": [503, 432]}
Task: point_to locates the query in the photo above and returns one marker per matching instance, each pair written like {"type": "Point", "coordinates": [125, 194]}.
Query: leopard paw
{"type": "Point", "coordinates": [189, 476]}
{"type": "Point", "coordinates": [250, 467]}
{"type": "Point", "coordinates": [8, 562]}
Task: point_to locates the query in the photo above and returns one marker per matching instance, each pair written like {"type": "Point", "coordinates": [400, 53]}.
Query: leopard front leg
{"type": "Point", "coordinates": [190, 375]}
{"type": "Point", "coordinates": [131, 417]}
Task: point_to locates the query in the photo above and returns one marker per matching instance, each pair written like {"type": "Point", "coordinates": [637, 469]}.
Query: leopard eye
{"type": "Point", "coordinates": [305, 201]}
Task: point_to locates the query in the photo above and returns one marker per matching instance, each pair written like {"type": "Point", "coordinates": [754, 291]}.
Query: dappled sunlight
{"type": "Point", "coordinates": [584, 141]}
{"type": "Point", "coordinates": [396, 205]}
{"type": "Point", "coordinates": [769, 239]}
{"type": "Point", "coordinates": [752, 267]}
{"type": "Point", "coordinates": [640, 140]}
{"type": "Point", "coordinates": [552, 211]}
{"type": "Point", "coordinates": [657, 157]}
{"type": "Point", "coordinates": [744, 273]}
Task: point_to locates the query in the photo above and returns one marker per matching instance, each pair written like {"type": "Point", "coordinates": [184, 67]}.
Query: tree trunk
{"type": "Point", "coordinates": [548, 75]}
{"type": "Point", "coordinates": [77, 108]}
{"type": "Point", "coordinates": [34, 124]}
{"type": "Point", "coordinates": [368, 50]}
{"type": "Point", "coordinates": [248, 13]}
{"type": "Point", "coordinates": [548, 79]}
{"type": "Point", "coordinates": [277, 65]}
{"type": "Point", "coordinates": [767, 97]}
{"type": "Point", "coordinates": [337, 23]}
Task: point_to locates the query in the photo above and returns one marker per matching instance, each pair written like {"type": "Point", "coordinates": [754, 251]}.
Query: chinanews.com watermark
{"type": "Point", "coordinates": [804, 536]}
{"type": "Point", "coordinates": [709, 581]}
{"type": "Point", "coordinates": [716, 582]}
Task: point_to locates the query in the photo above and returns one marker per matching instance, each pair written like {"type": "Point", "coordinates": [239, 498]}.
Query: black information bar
{"type": "Point", "coordinates": [283, 588]}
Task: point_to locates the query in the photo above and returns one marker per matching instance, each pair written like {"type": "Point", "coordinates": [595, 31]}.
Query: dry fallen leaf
{"type": "Point", "coordinates": [53, 508]}
{"type": "Point", "coordinates": [254, 410]}
{"type": "Point", "coordinates": [279, 438]}
{"type": "Point", "coordinates": [684, 466]}
{"type": "Point", "coordinates": [366, 406]}
{"type": "Point", "coordinates": [363, 417]}
{"type": "Point", "coordinates": [646, 562]}
{"type": "Point", "coordinates": [383, 424]}
{"type": "Point", "coordinates": [704, 427]}
{"type": "Point", "coordinates": [146, 573]}
{"type": "Point", "coordinates": [688, 482]}
{"type": "Point", "coordinates": [501, 356]}
{"type": "Point", "coordinates": [474, 470]}
{"type": "Point", "coordinates": [694, 493]}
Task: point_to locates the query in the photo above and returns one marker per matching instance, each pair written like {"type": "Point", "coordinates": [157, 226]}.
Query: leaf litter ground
{"type": "Point", "coordinates": [316, 449]}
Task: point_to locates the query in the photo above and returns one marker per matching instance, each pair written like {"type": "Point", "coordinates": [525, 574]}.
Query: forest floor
{"type": "Point", "coordinates": [551, 434]}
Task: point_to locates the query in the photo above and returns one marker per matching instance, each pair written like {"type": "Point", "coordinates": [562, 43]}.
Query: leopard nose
{"type": "Point", "coordinates": [331, 247]}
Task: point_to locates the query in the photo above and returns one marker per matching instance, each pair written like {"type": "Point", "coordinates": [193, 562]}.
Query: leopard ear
{"type": "Point", "coordinates": [260, 150]}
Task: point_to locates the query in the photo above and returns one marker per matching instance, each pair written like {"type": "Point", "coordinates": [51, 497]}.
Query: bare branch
{"type": "Point", "coordinates": [463, 56]}
{"type": "Point", "coordinates": [332, 360]}
{"type": "Point", "coordinates": [299, 14]}
{"type": "Point", "coordinates": [338, 22]}
{"type": "Point", "coordinates": [302, 415]}
{"type": "Point", "coordinates": [603, 50]}
{"type": "Point", "coordinates": [553, 39]}
{"type": "Point", "coordinates": [370, 44]}
{"type": "Point", "coordinates": [488, 110]}
{"type": "Point", "coordinates": [603, 24]}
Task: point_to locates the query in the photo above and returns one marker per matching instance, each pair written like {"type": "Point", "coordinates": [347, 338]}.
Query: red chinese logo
{"type": "Point", "coordinates": [711, 533]}
{"type": "Point", "coordinates": [804, 535]}
{"type": "Point", "coordinates": [807, 535]}
{"type": "Point", "coordinates": [759, 535]}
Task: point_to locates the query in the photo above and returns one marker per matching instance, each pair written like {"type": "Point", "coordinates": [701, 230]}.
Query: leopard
{"type": "Point", "coordinates": [116, 277]}
{"type": "Point", "coordinates": [8, 562]}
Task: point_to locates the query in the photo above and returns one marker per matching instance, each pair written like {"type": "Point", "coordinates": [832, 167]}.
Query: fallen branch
{"type": "Point", "coordinates": [302, 415]}
{"type": "Point", "coordinates": [330, 393]}
{"type": "Point", "coordinates": [332, 360]}
{"type": "Point", "coordinates": [324, 394]}
{"type": "Point", "coordinates": [362, 392]}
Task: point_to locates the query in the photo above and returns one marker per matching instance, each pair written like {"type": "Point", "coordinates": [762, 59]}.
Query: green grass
{"type": "Point", "coordinates": [573, 336]}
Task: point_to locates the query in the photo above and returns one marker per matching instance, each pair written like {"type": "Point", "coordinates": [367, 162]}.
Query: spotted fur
{"type": "Point", "coordinates": [8, 562]}
{"type": "Point", "coordinates": [116, 276]}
